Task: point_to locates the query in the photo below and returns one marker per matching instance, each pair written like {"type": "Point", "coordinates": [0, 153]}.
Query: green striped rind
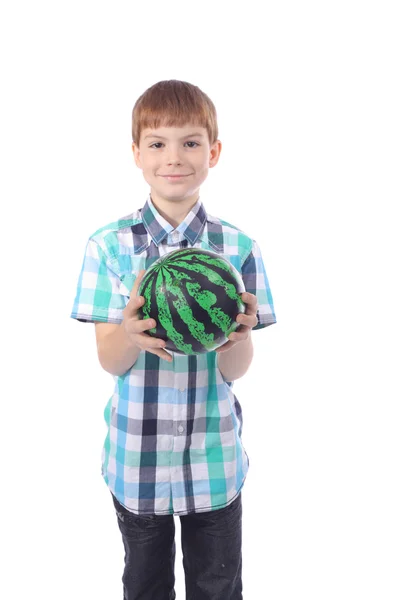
{"type": "Point", "coordinates": [212, 276]}
{"type": "Point", "coordinates": [215, 262]}
{"type": "Point", "coordinates": [197, 329]}
{"type": "Point", "coordinates": [206, 299]}
{"type": "Point", "coordinates": [165, 318]}
{"type": "Point", "coordinates": [170, 277]}
{"type": "Point", "coordinates": [145, 291]}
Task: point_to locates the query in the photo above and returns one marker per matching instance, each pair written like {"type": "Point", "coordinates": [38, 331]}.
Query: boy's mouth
{"type": "Point", "coordinates": [174, 177]}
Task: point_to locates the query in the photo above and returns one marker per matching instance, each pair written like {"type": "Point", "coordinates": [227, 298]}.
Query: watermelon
{"type": "Point", "coordinates": [194, 297]}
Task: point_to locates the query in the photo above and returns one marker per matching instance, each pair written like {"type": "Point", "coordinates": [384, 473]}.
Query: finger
{"type": "Point", "coordinates": [153, 345]}
{"type": "Point", "coordinates": [239, 335]}
{"type": "Point", "coordinates": [131, 309]}
{"type": "Point", "coordinates": [161, 353]}
{"type": "Point", "coordinates": [248, 320]}
{"type": "Point", "coordinates": [149, 342]}
{"type": "Point", "coordinates": [250, 300]}
{"type": "Point", "coordinates": [138, 279]}
{"type": "Point", "coordinates": [227, 346]}
{"type": "Point", "coordinates": [140, 326]}
{"type": "Point", "coordinates": [135, 301]}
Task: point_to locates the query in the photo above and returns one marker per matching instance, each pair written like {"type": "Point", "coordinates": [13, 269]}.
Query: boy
{"type": "Point", "coordinates": [173, 445]}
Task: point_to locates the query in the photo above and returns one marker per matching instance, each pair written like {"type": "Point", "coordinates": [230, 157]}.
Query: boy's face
{"type": "Point", "coordinates": [168, 151]}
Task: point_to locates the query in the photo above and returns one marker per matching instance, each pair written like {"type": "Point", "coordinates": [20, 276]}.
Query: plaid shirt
{"type": "Point", "coordinates": [173, 443]}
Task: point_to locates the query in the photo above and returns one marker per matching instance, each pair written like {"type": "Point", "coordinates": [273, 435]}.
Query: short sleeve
{"type": "Point", "coordinates": [99, 296]}
{"type": "Point", "coordinates": [256, 282]}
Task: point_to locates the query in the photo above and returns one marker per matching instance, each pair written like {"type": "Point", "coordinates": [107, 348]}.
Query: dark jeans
{"type": "Point", "coordinates": [211, 549]}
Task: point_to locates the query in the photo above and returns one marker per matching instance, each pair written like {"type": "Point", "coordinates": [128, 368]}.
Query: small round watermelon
{"type": "Point", "coordinates": [194, 297]}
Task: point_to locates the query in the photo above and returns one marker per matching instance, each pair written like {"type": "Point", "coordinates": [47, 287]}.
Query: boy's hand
{"type": "Point", "coordinates": [247, 321]}
{"type": "Point", "coordinates": [135, 327]}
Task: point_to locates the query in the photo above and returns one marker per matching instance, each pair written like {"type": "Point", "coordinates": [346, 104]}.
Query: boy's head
{"type": "Point", "coordinates": [174, 132]}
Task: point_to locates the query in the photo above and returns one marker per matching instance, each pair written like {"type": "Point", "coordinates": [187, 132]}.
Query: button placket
{"type": "Point", "coordinates": [181, 389]}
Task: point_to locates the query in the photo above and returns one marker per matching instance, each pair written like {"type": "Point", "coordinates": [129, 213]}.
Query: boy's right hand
{"type": "Point", "coordinates": [135, 327]}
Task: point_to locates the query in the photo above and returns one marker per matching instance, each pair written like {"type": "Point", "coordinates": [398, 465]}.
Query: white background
{"type": "Point", "coordinates": [307, 96]}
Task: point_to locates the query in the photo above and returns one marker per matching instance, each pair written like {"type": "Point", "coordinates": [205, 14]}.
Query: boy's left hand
{"type": "Point", "coordinates": [247, 321]}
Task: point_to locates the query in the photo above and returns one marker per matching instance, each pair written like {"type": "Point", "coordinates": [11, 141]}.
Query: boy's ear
{"type": "Point", "coordinates": [136, 155]}
{"type": "Point", "coordinates": [215, 152]}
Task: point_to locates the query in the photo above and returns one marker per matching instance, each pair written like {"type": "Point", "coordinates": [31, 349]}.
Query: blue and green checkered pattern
{"type": "Point", "coordinates": [173, 443]}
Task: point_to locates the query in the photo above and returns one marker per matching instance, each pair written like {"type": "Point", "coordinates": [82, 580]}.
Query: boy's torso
{"type": "Point", "coordinates": [173, 444]}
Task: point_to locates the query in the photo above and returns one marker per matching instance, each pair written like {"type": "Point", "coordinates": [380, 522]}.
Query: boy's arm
{"type": "Point", "coordinates": [118, 346]}
{"type": "Point", "coordinates": [234, 363]}
{"type": "Point", "coordinates": [115, 349]}
{"type": "Point", "coordinates": [234, 357]}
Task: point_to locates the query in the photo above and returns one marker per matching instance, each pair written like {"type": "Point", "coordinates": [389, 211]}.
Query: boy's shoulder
{"type": "Point", "coordinates": [120, 224]}
{"type": "Point", "coordinates": [225, 224]}
{"type": "Point", "coordinates": [126, 232]}
{"type": "Point", "coordinates": [232, 235]}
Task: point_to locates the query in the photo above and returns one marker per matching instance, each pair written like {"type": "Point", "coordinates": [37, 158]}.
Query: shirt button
{"type": "Point", "coordinates": [180, 428]}
{"type": "Point", "coordinates": [181, 389]}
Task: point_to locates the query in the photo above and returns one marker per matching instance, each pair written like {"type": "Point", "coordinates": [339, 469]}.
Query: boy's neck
{"type": "Point", "coordinates": [174, 211]}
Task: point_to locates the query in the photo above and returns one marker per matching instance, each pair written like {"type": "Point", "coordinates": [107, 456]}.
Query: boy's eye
{"type": "Point", "coordinates": [157, 144]}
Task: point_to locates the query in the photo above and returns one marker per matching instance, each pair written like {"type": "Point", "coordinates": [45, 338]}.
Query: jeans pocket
{"type": "Point", "coordinates": [128, 519]}
{"type": "Point", "coordinates": [230, 512]}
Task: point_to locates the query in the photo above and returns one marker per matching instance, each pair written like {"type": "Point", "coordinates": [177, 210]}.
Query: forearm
{"type": "Point", "coordinates": [234, 363]}
{"type": "Point", "coordinates": [116, 352]}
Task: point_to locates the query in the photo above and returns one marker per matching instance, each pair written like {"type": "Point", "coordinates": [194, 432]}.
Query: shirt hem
{"type": "Point", "coordinates": [263, 324]}
{"type": "Point", "coordinates": [96, 319]}
{"type": "Point", "coordinates": [181, 513]}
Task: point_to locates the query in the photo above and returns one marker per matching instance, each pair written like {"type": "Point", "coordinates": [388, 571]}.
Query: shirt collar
{"type": "Point", "coordinates": [158, 227]}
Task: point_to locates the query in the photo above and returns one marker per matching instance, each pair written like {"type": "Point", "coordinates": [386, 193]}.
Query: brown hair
{"type": "Point", "coordinates": [174, 103]}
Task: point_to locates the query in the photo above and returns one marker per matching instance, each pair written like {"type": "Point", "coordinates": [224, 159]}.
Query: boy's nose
{"type": "Point", "coordinates": [173, 156]}
{"type": "Point", "coordinates": [174, 160]}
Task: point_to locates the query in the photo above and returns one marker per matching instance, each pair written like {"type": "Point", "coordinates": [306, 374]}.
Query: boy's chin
{"type": "Point", "coordinates": [175, 197]}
